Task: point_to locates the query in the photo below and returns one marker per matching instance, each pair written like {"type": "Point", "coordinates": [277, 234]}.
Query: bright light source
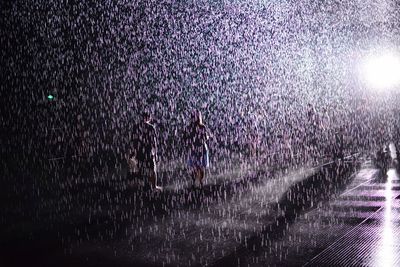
{"type": "Point", "coordinates": [382, 71]}
{"type": "Point", "coordinates": [50, 97]}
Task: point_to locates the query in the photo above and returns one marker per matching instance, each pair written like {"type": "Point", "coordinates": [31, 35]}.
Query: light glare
{"type": "Point", "coordinates": [382, 72]}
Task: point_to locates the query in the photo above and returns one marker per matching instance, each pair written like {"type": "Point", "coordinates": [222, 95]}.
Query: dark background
{"type": "Point", "coordinates": [243, 63]}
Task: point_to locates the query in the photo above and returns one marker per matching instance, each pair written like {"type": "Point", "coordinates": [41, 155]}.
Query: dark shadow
{"type": "Point", "coordinates": [118, 200]}
{"type": "Point", "coordinates": [301, 197]}
{"type": "Point", "coordinates": [72, 221]}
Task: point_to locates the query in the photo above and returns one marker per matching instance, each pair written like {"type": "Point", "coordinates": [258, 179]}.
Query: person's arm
{"type": "Point", "coordinates": [155, 138]}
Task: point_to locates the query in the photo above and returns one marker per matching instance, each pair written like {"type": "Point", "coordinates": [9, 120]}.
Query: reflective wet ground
{"type": "Point", "coordinates": [333, 213]}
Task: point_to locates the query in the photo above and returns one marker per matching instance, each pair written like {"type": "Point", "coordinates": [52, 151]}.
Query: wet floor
{"type": "Point", "coordinates": [264, 217]}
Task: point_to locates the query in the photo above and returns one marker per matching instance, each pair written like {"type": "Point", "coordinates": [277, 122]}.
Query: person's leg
{"type": "Point", "coordinates": [153, 180]}
{"type": "Point", "coordinates": [193, 176]}
{"type": "Point", "coordinates": [152, 174]}
{"type": "Point", "coordinates": [192, 167]}
{"type": "Point", "coordinates": [203, 167]}
{"type": "Point", "coordinates": [142, 174]}
{"type": "Point", "coordinates": [196, 169]}
{"type": "Point", "coordinates": [197, 178]}
{"type": "Point", "coordinates": [253, 149]}
{"type": "Point", "coordinates": [201, 176]}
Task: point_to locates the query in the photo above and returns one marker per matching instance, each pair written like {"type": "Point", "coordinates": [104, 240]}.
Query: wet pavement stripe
{"type": "Point", "coordinates": [353, 248]}
{"type": "Point", "coordinates": [376, 187]}
{"type": "Point", "coordinates": [364, 208]}
{"type": "Point", "coordinates": [362, 198]}
{"type": "Point", "coordinates": [326, 256]}
{"type": "Point", "coordinates": [351, 221]}
{"type": "Point", "coordinates": [367, 245]}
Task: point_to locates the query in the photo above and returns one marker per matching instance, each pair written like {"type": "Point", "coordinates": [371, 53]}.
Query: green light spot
{"type": "Point", "coordinates": [50, 97]}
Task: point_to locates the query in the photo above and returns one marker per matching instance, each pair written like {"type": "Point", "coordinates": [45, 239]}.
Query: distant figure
{"type": "Point", "coordinates": [146, 150]}
{"type": "Point", "coordinates": [196, 136]}
{"type": "Point", "coordinates": [382, 159]}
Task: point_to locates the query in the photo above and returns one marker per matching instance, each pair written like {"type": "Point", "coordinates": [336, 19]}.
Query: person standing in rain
{"type": "Point", "coordinates": [196, 136]}
{"type": "Point", "coordinates": [146, 150]}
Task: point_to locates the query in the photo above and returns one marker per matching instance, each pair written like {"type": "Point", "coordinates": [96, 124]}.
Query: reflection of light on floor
{"type": "Point", "coordinates": [385, 256]}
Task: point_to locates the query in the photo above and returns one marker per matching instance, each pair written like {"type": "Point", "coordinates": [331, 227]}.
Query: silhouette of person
{"type": "Point", "coordinates": [146, 150]}
{"type": "Point", "coordinates": [196, 136]}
